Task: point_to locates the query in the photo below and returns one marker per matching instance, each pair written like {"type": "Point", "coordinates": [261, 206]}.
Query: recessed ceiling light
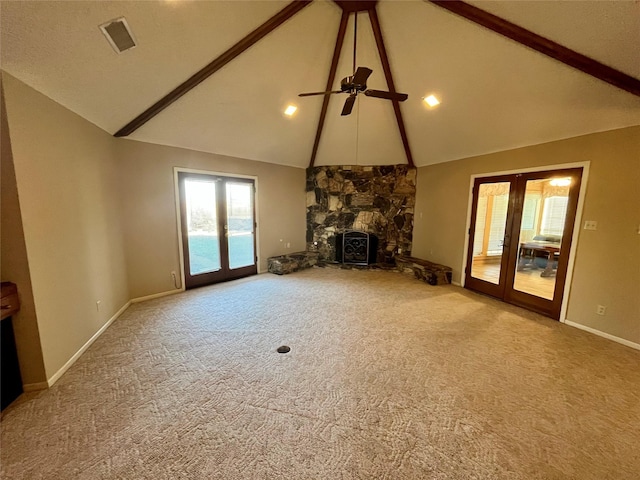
{"type": "Point", "coordinates": [432, 101]}
{"type": "Point", "coordinates": [290, 110]}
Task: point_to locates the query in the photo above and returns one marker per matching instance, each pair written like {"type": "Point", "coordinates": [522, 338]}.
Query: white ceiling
{"type": "Point", "coordinates": [496, 94]}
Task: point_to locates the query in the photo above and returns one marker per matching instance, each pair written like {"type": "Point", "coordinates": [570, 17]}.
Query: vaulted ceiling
{"type": "Point", "coordinates": [496, 94]}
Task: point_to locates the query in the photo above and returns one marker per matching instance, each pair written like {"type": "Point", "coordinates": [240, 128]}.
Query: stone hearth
{"type": "Point", "coordinates": [378, 200]}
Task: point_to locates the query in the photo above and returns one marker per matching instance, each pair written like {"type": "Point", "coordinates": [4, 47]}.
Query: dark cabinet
{"type": "Point", "coordinates": [10, 379]}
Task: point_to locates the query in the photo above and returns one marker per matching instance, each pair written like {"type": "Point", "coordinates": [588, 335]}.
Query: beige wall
{"type": "Point", "coordinates": [99, 221]}
{"type": "Point", "coordinates": [14, 265]}
{"type": "Point", "coordinates": [67, 182]}
{"type": "Point", "coordinates": [149, 208]}
{"type": "Point", "coordinates": [607, 266]}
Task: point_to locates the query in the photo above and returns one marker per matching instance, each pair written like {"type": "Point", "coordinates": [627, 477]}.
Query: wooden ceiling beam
{"type": "Point", "coordinates": [352, 6]}
{"type": "Point", "coordinates": [377, 33]}
{"type": "Point", "coordinates": [342, 29]}
{"type": "Point", "coordinates": [541, 44]}
{"type": "Point", "coordinates": [193, 81]}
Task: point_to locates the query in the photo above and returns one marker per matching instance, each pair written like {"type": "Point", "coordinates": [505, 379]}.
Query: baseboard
{"type": "Point", "coordinates": [56, 376]}
{"type": "Point", "coordinates": [457, 284]}
{"type": "Point", "coordinates": [34, 387]}
{"type": "Point", "coordinates": [608, 336]}
{"type": "Point", "coordinates": [156, 295]}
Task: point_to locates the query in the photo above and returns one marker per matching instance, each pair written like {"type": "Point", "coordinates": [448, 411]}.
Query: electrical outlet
{"type": "Point", "coordinates": [590, 225]}
{"type": "Point", "coordinates": [173, 274]}
{"type": "Point", "coordinates": [288, 245]}
{"type": "Point", "coordinates": [98, 302]}
{"type": "Point", "coordinates": [601, 309]}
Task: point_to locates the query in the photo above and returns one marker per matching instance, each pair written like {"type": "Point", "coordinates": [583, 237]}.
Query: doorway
{"type": "Point", "coordinates": [520, 237]}
{"type": "Point", "coordinates": [217, 222]}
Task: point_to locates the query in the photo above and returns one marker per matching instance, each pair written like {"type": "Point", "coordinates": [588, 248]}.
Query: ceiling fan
{"type": "Point", "coordinates": [357, 83]}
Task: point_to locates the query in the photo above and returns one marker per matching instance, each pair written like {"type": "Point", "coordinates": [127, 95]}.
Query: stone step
{"type": "Point", "coordinates": [292, 262]}
{"type": "Point", "coordinates": [432, 273]}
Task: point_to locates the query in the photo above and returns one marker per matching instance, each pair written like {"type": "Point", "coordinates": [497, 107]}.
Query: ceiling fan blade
{"type": "Point", "coordinates": [319, 93]}
{"type": "Point", "coordinates": [348, 104]}
{"type": "Point", "coordinates": [361, 75]}
{"type": "Point", "coordinates": [400, 97]}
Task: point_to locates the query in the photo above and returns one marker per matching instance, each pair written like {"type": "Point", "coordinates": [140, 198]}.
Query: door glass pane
{"type": "Point", "coordinates": [240, 223]}
{"type": "Point", "coordinates": [202, 226]}
{"type": "Point", "coordinates": [541, 229]}
{"type": "Point", "coordinates": [491, 219]}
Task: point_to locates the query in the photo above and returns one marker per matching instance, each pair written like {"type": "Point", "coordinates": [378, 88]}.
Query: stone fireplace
{"type": "Point", "coordinates": [376, 200]}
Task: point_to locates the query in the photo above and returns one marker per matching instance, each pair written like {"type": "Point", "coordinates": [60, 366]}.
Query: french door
{"type": "Point", "coordinates": [520, 237]}
{"type": "Point", "coordinates": [218, 228]}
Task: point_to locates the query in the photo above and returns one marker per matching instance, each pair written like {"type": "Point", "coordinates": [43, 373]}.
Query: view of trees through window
{"type": "Point", "coordinates": [203, 224]}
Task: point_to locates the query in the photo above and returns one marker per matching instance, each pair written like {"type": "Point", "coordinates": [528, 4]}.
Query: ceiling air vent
{"type": "Point", "coordinates": [119, 34]}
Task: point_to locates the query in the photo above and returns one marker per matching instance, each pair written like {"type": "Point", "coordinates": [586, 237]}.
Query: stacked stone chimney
{"type": "Point", "coordinates": [377, 199]}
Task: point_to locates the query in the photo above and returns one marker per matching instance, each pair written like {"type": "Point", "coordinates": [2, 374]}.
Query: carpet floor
{"type": "Point", "coordinates": [387, 378]}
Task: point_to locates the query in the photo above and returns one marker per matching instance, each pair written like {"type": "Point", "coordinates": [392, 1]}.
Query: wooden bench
{"type": "Point", "coordinates": [432, 273]}
{"type": "Point", "coordinates": [292, 262]}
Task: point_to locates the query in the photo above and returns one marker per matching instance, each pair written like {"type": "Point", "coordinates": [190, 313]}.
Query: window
{"type": "Point", "coordinates": [529, 210]}
{"type": "Point", "coordinates": [498, 223]}
{"type": "Point", "coordinates": [553, 215]}
{"type": "Point", "coordinates": [481, 218]}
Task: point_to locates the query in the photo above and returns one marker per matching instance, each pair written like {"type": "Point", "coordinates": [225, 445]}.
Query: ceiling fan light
{"type": "Point", "coordinates": [560, 182]}
{"type": "Point", "coordinates": [290, 110]}
{"type": "Point", "coordinates": [431, 100]}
